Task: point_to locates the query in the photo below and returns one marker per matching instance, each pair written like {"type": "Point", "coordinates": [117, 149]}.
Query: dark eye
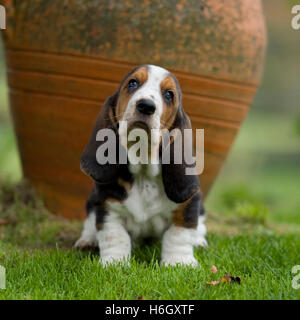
{"type": "Point", "coordinates": [168, 96]}
{"type": "Point", "coordinates": [132, 85]}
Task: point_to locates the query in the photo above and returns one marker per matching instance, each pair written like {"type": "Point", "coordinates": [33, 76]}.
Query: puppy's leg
{"type": "Point", "coordinates": [201, 229]}
{"type": "Point", "coordinates": [177, 246]}
{"type": "Point", "coordinates": [187, 231]}
{"type": "Point", "coordinates": [88, 238]}
{"type": "Point", "coordinates": [114, 241]}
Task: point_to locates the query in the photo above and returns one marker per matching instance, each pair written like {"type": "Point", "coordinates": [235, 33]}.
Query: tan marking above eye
{"type": "Point", "coordinates": [141, 75]}
{"type": "Point", "coordinates": [169, 111]}
{"type": "Point", "coordinates": [168, 84]}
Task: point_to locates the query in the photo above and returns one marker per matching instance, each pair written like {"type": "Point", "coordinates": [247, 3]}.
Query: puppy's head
{"type": "Point", "coordinates": [149, 97]}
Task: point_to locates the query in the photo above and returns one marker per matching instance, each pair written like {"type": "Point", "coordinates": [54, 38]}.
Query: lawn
{"type": "Point", "coordinates": [36, 250]}
{"type": "Point", "coordinates": [263, 262]}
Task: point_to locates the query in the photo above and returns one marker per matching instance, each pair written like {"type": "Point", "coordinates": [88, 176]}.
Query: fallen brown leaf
{"type": "Point", "coordinates": [227, 278]}
{"type": "Point", "coordinates": [213, 283]}
{"type": "Point", "coordinates": [214, 269]}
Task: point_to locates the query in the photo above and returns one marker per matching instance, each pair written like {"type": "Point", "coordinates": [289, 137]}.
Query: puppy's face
{"type": "Point", "coordinates": [149, 97]}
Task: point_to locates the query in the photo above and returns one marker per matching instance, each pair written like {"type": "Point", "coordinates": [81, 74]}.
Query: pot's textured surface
{"type": "Point", "coordinates": [65, 58]}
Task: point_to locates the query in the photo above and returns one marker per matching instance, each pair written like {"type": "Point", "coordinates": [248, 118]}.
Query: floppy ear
{"type": "Point", "coordinates": [88, 163]}
{"type": "Point", "coordinates": [179, 187]}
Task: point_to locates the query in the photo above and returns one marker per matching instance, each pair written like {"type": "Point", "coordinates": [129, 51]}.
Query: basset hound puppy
{"type": "Point", "coordinates": [132, 201]}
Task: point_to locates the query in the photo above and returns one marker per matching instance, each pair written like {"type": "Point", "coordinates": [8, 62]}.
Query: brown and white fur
{"type": "Point", "coordinates": [131, 202]}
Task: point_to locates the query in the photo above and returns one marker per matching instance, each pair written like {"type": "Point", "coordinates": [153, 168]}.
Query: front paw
{"type": "Point", "coordinates": [174, 260]}
{"type": "Point", "coordinates": [201, 242]}
{"type": "Point", "coordinates": [84, 243]}
{"type": "Point", "coordinates": [115, 260]}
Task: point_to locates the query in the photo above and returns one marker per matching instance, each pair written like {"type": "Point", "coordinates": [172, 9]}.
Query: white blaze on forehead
{"type": "Point", "coordinates": [150, 89]}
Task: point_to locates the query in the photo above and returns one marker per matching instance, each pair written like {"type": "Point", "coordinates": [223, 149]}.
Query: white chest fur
{"type": "Point", "coordinates": [147, 211]}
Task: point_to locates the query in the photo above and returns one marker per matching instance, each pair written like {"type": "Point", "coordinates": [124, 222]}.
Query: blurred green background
{"type": "Point", "coordinates": [261, 176]}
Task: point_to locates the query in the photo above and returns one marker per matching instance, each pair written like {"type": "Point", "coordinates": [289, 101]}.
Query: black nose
{"type": "Point", "coordinates": [146, 106]}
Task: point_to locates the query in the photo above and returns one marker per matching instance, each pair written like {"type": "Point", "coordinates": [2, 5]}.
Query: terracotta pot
{"type": "Point", "coordinates": [65, 58]}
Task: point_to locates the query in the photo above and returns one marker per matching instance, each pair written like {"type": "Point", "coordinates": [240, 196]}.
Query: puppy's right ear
{"type": "Point", "coordinates": [88, 163]}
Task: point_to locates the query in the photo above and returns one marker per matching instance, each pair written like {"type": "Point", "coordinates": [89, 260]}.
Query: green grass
{"type": "Point", "coordinates": [262, 169]}
{"type": "Point", "coordinates": [263, 262]}
{"type": "Point", "coordinates": [274, 187]}
{"type": "Point", "coordinates": [36, 250]}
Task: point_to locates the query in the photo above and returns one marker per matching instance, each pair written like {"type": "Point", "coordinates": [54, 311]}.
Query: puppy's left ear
{"type": "Point", "coordinates": [179, 186]}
